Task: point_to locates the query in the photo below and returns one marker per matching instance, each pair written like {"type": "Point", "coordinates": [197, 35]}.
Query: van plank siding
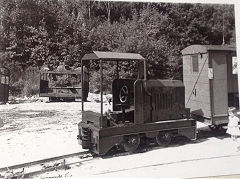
{"type": "Point", "coordinates": [196, 94]}
{"type": "Point", "coordinates": [209, 97]}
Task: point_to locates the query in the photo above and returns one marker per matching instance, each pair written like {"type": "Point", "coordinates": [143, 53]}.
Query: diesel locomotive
{"type": "Point", "coordinates": [142, 109]}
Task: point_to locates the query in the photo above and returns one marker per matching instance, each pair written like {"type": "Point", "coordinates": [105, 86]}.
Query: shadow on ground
{"type": "Point", "coordinates": [203, 134]}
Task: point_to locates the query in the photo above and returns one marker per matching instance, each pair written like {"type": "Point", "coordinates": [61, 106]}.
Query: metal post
{"type": "Point", "coordinates": [82, 84]}
{"type": "Point", "coordinates": [101, 89]}
{"type": "Point", "coordinates": [39, 82]}
{"type": "Point", "coordinates": [145, 70]}
{"type": "Point", "coordinates": [117, 71]}
{"type": "Point", "coordinates": [237, 24]}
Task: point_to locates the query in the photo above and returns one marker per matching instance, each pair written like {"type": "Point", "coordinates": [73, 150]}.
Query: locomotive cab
{"type": "Point", "coordinates": [142, 109]}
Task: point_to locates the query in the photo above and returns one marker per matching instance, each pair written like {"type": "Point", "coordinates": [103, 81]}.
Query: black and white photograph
{"type": "Point", "coordinates": [119, 89]}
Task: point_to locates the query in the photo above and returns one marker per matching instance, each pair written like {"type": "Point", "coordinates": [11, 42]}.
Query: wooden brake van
{"type": "Point", "coordinates": [4, 84]}
{"type": "Point", "coordinates": [210, 82]}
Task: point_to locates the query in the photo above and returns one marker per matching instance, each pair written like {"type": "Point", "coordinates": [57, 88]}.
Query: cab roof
{"type": "Point", "coordinates": [112, 56]}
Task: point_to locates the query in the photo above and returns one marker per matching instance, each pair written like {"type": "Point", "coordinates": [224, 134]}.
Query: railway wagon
{"type": "Point", "coordinates": [210, 82]}
{"type": "Point", "coordinates": [142, 109]}
{"type": "Point", "coordinates": [64, 85]}
{"type": "Point", "coordinates": [4, 84]}
{"type": "Point", "coordinates": [58, 85]}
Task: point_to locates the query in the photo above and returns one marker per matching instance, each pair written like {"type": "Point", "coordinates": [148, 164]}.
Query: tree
{"type": "Point", "coordinates": [36, 31]}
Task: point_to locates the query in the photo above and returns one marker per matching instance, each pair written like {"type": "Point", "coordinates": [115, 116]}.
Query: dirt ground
{"type": "Point", "coordinates": [34, 129]}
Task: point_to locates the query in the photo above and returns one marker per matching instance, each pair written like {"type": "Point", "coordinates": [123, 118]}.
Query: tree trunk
{"type": "Point", "coordinates": [109, 12]}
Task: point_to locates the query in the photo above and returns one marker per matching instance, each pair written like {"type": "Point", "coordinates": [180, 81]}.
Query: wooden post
{"type": "Point", "coordinates": [101, 89]}
{"type": "Point", "coordinates": [82, 84]}
{"type": "Point", "coordinates": [1, 122]}
{"type": "Point", "coordinates": [145, 70]}
{"type": "Point", "coordinates": [117, 71]}
{"type": "Point", "coordinates": [237, 26]}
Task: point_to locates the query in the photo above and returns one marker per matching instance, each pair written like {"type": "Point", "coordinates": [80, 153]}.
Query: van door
{"type": "Point", "coordinates": [219, 97]}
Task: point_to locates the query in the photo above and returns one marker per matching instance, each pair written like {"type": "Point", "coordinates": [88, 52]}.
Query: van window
{"type": "Point", "coordinates": [194, 63]}
{"type": "Point", "coordinates": [234, 66]}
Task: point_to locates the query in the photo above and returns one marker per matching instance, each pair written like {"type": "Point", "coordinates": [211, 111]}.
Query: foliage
{"type": "Point", "coordinates": [109, 74]}
{"type": "Point", "coordinates": [37, 32]}
{"type": "Point", "coordinates": [16, 87]}
{"type": "Point", "coordinates": [27, 84]}
{"type": "Point", "coordinates": [31, 82]}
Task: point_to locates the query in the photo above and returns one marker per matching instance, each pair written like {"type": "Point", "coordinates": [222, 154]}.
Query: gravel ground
{"type": "Point", "coordinates": [38, 129]}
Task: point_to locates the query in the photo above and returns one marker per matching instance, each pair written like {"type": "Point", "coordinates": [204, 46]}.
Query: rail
{"type": "Point", "coordinates": [45, 165]}
{"type": "Point", "coordinates": [67, 72]}
{"type": "Point", "coordinates": [66, 87]}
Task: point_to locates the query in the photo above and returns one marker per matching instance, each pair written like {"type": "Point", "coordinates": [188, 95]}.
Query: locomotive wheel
{"type": "Point", "coordinates": [164, 139]}
{"type": "Point", "coordinates": [214, 127]}
{"type": "Point", "coordinates": [131, 143]}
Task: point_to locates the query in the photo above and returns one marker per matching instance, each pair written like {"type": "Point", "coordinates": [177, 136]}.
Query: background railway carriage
{"type": "Point", "coordinates": [63, 85]}
{"type": "Point", "coordinates": [142, 109]}
{"type": "Point", "coordinates": [210, 82]}
{"type": "Point", "coordinates": [4, 84]}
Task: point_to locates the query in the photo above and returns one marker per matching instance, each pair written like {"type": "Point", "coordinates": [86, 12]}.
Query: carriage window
{"type": "Point", "coordinates": [234, 65]}
{"type": "Point", "coordinates": [194, 63]}
{"type": "Point", "coordinates": [7, 80]}
{"type": "Point", "coordinates": [3, 79]}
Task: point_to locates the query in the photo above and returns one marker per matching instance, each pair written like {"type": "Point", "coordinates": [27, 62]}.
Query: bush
{"type": "Point", "coordinates": [109, 74]}
{"type": "Point", "coordinates": [30, 89]}
{"type": "Point", "coordinates": [17, 87]}
{"type": "Point", "coordinates": [27, 83]}
{"type": "Point", "coordinates": [31, 82]}
{"type": "Point", "coordinates": [95, 82]}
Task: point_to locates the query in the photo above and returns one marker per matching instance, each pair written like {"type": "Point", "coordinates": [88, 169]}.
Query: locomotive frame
{"type": "Point", "coordinates": [142, 110]}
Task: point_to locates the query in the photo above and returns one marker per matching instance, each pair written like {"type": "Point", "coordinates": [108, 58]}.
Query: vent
{"type": "Point", "coordinates": [163, 101]}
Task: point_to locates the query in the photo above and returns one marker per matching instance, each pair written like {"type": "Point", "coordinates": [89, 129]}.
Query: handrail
{"type": "Point", "coordinates": [62, 72]}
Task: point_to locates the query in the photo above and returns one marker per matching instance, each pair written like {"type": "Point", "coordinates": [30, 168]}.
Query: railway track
{"type": "Point", "coordinates": [38, 167]}
{"type": "Point", "coordinates": [168, 163]}
{"type": "Point", "coordinates": [29, 169]}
